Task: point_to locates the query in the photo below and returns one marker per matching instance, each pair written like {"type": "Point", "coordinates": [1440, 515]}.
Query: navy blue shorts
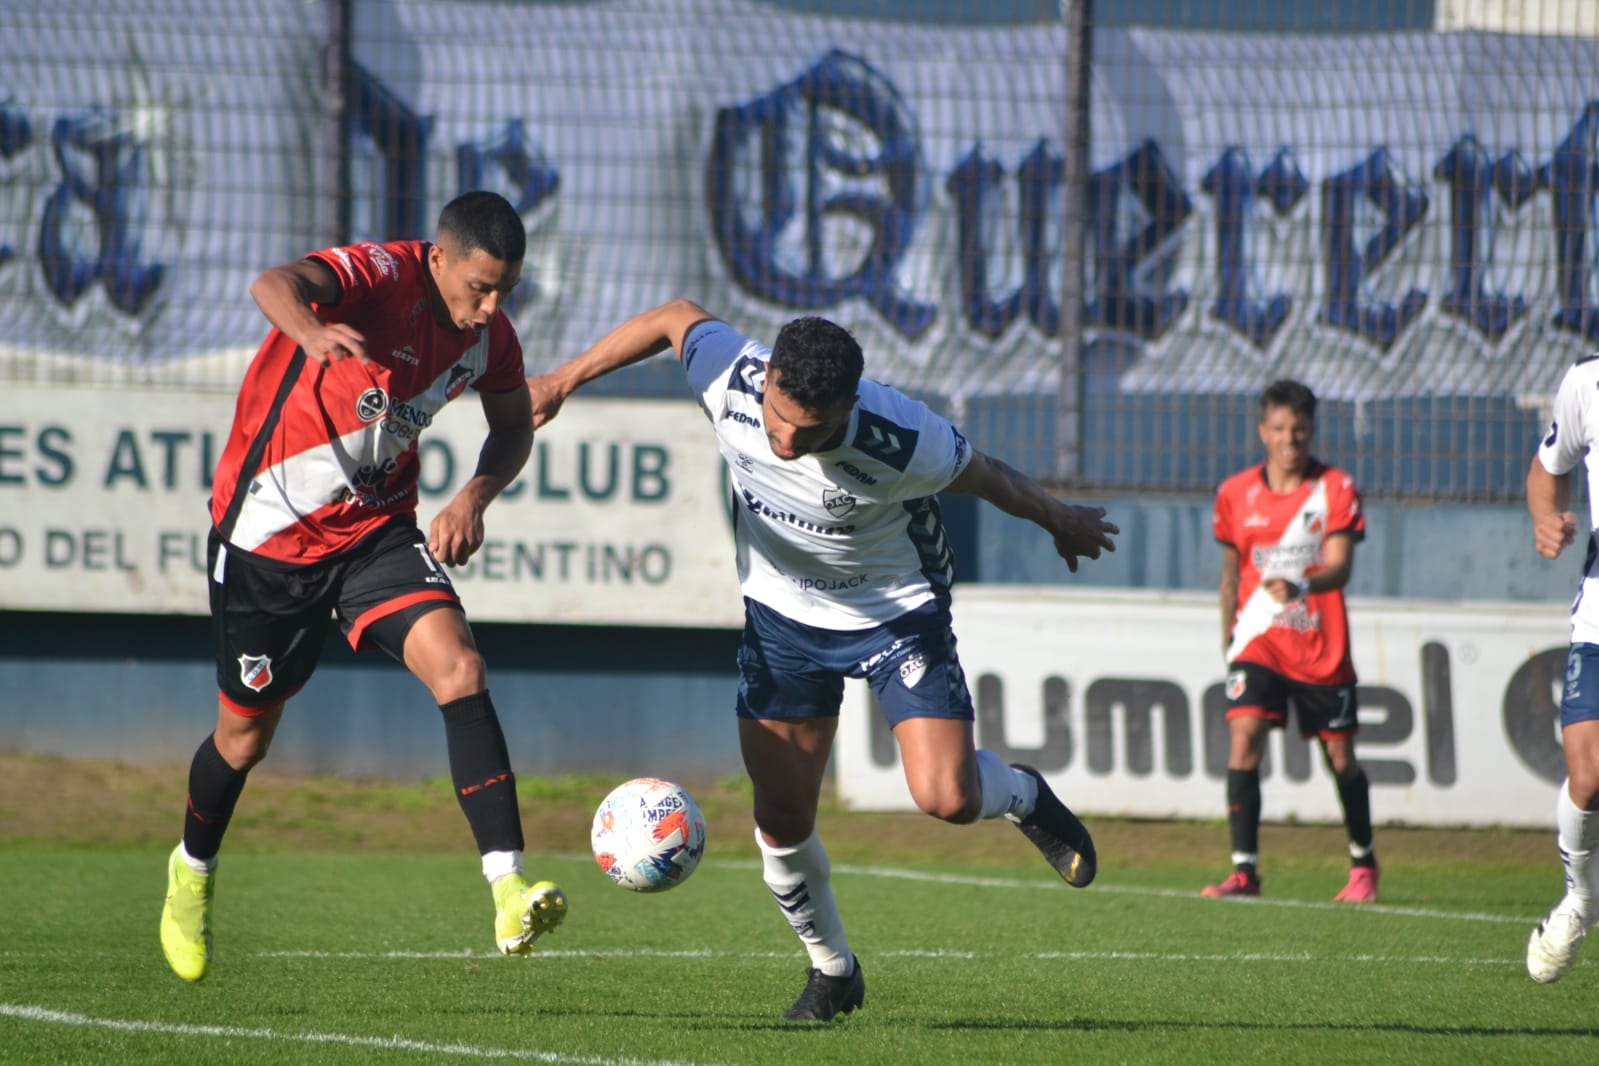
{"type": "Point", "coordinates": [1579, 696]}
{"type": "Point", "coordinates": [791, 670]}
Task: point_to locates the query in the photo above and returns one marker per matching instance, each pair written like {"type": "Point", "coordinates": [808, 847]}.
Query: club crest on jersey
{"type": "Point", "coordinates": [459, 376]}
{"type": "Point", "coordinates": [1235, 685]}
{"type": "Point", "coordinates": [1313, 522]}
{"type": "Point", "coordinates": [838, 502]}
{"type": "Point", "coordinates": [373, 405]}
{"type": "Point", "coordinates": [255, 671]}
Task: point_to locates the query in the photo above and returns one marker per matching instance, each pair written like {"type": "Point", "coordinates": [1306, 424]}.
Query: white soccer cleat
{"type": "Point", "coordinates": [1552, 948]}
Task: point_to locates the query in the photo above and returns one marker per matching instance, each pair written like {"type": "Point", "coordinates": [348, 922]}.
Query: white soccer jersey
{"type": "Point", "coordinates": [844, 539]}
{"type": "Point", "coordinates": [1573, 434]}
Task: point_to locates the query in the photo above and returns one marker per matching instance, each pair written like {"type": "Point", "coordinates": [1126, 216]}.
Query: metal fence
{"type": "Point", "coordinates": [1090, 232]}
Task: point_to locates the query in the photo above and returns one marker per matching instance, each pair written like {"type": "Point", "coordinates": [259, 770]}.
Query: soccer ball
{"type": "Point", "coordinates": [648, 834]}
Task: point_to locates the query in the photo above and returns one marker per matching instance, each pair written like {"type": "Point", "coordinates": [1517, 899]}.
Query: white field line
{"type": "Point", "coordinates": [26, 1013]}
{"type": "Point", "coordinates": [1174, 893]}
{"type": "Point", "coordinates": [914, 953]}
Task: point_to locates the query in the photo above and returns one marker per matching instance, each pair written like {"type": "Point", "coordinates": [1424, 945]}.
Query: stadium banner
{"type": "Point", "coordinates": [1387, 215]}
{"type": "Point", "coordinates": [1118, 700]}
{"type": "Point", "coordinates": [619, 517]}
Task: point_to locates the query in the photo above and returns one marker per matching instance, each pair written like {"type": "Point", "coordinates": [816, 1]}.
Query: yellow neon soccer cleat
{"type": "Point", "coordinates": [186, 918]}
{"type": "Point", "coordinates": [524, 912]}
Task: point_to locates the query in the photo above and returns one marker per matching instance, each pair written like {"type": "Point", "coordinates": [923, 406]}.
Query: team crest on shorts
{"type": "Point", "coordinates": [912, 670]}
{"type": "Point", "coordinates": [255, 671]}
{"type": "Point", "coordinates": [1235, 684]}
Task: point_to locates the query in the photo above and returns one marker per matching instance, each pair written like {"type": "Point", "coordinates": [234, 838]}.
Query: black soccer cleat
{"type": "Point", "coordinates": [1057, 832]}
{"type": "Point", "coordinates": [827, 997]}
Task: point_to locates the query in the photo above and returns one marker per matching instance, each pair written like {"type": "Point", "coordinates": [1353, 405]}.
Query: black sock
{"type": "Point", "coordinates": [1243, 813]}
{"type": "Point", "coordinates": [480, 767]}
{"type": "Point", "coordinates": [214, 789]}
{"type": "Point", "coordinates": [1355, 795]}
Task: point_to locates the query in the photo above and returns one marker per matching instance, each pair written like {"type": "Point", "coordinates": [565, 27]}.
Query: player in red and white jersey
{"type": "Point", "coordinates": [846, 572]}
{"type": "Point", "coordinates": [1288, 529]}
{"type": "Point", "coordinates": [1573, 438]}
{"type": "Point", "coordinates": [314, 516]}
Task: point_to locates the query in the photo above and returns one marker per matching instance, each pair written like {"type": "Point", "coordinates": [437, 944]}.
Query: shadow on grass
{"type": "Point", "coordinates": [1115, 1025]}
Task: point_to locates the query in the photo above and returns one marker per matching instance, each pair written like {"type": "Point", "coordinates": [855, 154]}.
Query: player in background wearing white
{"type": "Point", "coordinates": [1287, 528]}
{"type": "Point", "coordinates": [845, 572]}
{"type": "Point", "coordinates": [1573, 434]}
{"type": "Point", "coordinates": [313, 513]}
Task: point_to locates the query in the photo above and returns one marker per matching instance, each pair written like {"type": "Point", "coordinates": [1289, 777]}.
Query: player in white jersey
{"type": "Point", "coordinates": [1573, 434]}
{"type": "Point", "coordinates": [845, 571]}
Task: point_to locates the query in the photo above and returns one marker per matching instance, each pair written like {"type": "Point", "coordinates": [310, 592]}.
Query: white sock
{"type": "Point", "coordinates": [1578, 840]}
{"type": "Point", "coordinates": [1005, 790]}
{"type": "Point", "coordinates": [800, 879]}
{"type": "Point", "coordinates": [498, 864]}
{"type": "Point", "coordinates": [199, 866]}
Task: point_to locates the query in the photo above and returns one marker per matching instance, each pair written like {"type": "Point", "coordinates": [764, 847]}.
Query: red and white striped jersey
{"type": "Point", "coordinates": [1282, 535]}
{"type": "Point", "coordinates": [318, 457]}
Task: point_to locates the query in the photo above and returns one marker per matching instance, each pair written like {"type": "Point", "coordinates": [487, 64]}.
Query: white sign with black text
{"type": "Point", "coordinates": [1117, 698]}
{"type": "Point", "coordinates": [618, 518]}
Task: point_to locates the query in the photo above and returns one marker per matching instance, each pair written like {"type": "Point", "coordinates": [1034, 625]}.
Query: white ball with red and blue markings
{"type": "Point", "coordinates": [648, 834]}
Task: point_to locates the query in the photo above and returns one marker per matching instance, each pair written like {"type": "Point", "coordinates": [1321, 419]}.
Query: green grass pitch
{"type": "Point", "coordinates": [330, 958]}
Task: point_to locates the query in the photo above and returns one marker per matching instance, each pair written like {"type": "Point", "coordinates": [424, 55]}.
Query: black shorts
{"type": "Point", "coordinates": [1322, 710]}
{"type": "Point", "coordinates": [269, 621]}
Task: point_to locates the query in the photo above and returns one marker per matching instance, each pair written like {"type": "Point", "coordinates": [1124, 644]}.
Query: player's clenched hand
{"type": "Point", "coordinates": [457, 532]}
{"type": "Point", "coordinates": [1553, 532]}
{"type": "Point", "coordinates": [1082, 532]}
{"type": "Point", "coordinates": [547, 397]}
{"type": "Point", "coordinates": [333, 342]}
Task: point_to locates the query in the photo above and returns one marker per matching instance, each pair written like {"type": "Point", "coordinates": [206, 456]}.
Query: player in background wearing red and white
{"type": "Point", "coordinates": [314, 515]}
{"type": "Point", "coordinates": [1573, 437]}
{"type": "Point", "coordinates": [1288, 529]}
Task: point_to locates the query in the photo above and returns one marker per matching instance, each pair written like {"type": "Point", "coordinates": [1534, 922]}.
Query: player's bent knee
{"type": "Point", "coordinates": [950, 805]}
{"type": "Point", "coordinates": [1583, 788]}
{"type": "Point", "coordinates": [465, 674]}
{"type": "Point", "coordinates": [784, 828]}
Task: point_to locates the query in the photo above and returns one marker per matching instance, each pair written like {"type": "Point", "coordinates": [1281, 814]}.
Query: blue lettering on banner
{"type": "Point", "coordinates": [380, 118]}
{"type": "Point", "coordinates": [103, 169]}
{"type": "Point", "coordinates": [1572, 176]}
{"type": "Point", "coordinates": [1476, 182]}
{"type": "Point", "coordinates": [1236, 189]}
{"type": "Point", "coordinates": [976, 187]}
{"type": "Point", "coordinates": [528, 180]}
{"type": "Point", "coordinates": [16, 133]}
{"type": "Point", "coordinates": [759, 187]}
{"type": "Point", "coordinates": [1351, 256]}
{"type": "Point", "coordinates": [1142, 195]}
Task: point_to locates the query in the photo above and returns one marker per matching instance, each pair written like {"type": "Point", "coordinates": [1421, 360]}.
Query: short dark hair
{"type": "Point", "coordinates": [485, 220]}
{"type": "Point", "coordinates": [819, 362]}
{"type": "Point", "coordinates": [1291, 394]}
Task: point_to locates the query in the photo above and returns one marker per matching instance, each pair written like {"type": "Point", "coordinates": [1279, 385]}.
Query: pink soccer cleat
{"type": "Point", "coordinates": [1362, 886]}
{"type": "Point", "coordinates": [1238, 883]}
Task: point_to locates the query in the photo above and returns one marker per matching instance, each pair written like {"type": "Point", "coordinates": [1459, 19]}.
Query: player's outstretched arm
{"type": "Point", "coordinates": [457, 531]}
{"type": "Point", "coordinates": [1079, 532]}
{"type": "Point", "coordinates": [1554, 526]}
{"type": "Point", "coordinates": [285, 295]}
{"type": "Point", "coordinates": [634, 341]}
